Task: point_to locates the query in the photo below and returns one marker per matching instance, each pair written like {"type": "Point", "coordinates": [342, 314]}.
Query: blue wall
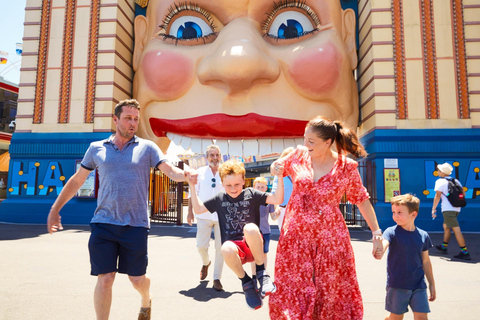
{"type": "Point", "coordinates": [40, 165]}
{"type": "Point", "coordinates": [418, 152]}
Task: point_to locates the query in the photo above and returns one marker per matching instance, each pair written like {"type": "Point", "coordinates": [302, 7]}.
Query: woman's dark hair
{"type": "Point", "coordinates": [345, 139]}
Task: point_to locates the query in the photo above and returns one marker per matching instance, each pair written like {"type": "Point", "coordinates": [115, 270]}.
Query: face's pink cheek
{"type": "Point", "coordinates": [315, 71]}
{"type": "Point", "coordinates": [169, 75]}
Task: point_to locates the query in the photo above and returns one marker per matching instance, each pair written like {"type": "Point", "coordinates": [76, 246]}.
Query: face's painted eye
{"type": "Point", "coordinates": [290, 24]}
{"type": "Point", "coordinates": [189, 27]}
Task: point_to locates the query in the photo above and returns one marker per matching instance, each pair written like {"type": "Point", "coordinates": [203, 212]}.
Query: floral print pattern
{"type": "Point", "coordinates": [315, 266]}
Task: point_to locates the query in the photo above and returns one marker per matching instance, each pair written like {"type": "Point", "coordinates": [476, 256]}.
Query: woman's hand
{"type": "Point", "coordinates": [276, 169]}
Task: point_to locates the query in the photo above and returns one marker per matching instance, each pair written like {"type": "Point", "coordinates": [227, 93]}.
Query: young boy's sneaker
{"type": "Point", "coordinates": [255, 282]}
{"type": "Point", "coordinates": [463, 256]}
{"type": "Point", "coordinates": [267, 286]}
{"type": "Point", "coordinates": [252, 296]}
{"type": "Point", "coordinates": [441, 249]}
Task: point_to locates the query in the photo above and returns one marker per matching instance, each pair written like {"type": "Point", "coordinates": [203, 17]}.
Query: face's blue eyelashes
{"type": "Point", "coordinates": [180, 26]}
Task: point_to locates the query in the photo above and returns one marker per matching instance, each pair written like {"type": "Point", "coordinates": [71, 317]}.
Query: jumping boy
{"type": "Point", "coordinates": [239, 216]}
{"type": "Point", "coordinates": [408, 262]}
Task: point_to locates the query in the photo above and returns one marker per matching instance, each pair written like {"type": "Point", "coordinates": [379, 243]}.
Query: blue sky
{"type": "Point", "coordinates": [12, 17]}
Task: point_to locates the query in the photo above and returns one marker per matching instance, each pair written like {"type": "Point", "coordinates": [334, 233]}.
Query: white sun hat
{"type": "Point", "coordinates": [445, 168]}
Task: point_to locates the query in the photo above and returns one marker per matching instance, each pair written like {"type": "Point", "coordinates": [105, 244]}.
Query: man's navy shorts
{"type": "Point", "coordinates": [126, 245]}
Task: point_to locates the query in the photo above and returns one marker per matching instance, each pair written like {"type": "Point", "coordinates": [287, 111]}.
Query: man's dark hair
{"type": "Point", "coordinates": [131, 103]}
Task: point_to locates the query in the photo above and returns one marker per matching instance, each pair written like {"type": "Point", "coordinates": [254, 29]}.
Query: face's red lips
{"type": "Point", "coordinates": [223, 126]}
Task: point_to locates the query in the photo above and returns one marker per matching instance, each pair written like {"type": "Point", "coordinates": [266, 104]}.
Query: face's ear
{"type": "Point", "coordinates": [140, 28]}
{"type": "Point", "coordinates": [115, 119]}
{"type": "Point", "coordinates": [349, 36]}
{"type": "Point", "coordinates": [414, 214]}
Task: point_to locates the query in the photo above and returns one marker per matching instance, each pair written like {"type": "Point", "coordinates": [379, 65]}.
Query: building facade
{"type": "Point", "coordinates": [418, 76]}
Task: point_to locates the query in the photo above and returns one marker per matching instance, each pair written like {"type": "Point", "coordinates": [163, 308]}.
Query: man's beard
{"type": "Point", "coordinates": [213, 165]}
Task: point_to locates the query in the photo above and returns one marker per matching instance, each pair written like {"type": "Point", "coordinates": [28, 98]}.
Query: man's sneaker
{"type": "Point", "coordinates": [463, 256]}
{"type": "Point", "coordinates": [145, 313]}
{"type": "Point", "coordinates": [267, 286]}
{"type": "Point", "coordinates": [252, 296]}
{"type": "Point", "coordinates": [441, 249]}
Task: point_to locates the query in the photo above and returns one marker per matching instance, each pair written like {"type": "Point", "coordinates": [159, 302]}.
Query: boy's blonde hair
{"type": "Point", "coordinates": [408, 200]}
{"type": "Point", "coordinates": [260, 180]}
{"type": "Point", "coordinates": [231, 167]}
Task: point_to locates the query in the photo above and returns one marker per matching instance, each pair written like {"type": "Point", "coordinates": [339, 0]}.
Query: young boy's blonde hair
{"type": "Point", "coordinates": [260, 180]}
{"type": "Point", "coordinates": [231, 167]}
{"type": "Point", "coordinates": [408, 200]}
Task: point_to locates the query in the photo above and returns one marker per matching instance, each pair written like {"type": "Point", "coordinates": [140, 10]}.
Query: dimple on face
{"type": "Point", "coordinates": [242, 69]}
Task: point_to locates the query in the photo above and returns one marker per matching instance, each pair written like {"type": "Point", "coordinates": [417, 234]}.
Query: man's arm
{"type": "Point", "coordinates": [427, 268]}
{"type": "Point", "coordinates": [175, 173]}
{"type": "Point", "coordinates": [436, 200]}
{"type": "Point", "coordinates": [190, 218]}
{"type": "Point", "coordinates": [74, 183]}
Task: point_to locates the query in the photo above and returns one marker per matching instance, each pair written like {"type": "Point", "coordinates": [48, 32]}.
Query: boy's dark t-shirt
{"type": "Point", "coordinates": [404, 262]}
{"type": "Point", "coordinates": [235, 213]}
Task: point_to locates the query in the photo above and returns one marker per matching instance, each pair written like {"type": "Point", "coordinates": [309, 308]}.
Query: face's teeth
{"type": "Point", "coordinates": [265, 146]}
{"type": "Point", "coordinates": [277, 145]}
{"type": "Point", "coordinates": [242, 148]}
{"type": "Point", "coordinates": [288, 143]}
{"type": "Point", "coordinates": [175, 138]}
{"type": "Point", "coordinates": [200, 145]}
{"type": "Point", "coordinates": [250, 147]}
{"type": "Point", "coordinates": [223, 145]}
{"type": "Point", "coordinates": [186, 141]}
{"type": "Point", "coordinates": [235, 148]}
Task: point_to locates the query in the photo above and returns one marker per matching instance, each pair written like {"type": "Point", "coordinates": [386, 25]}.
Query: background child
{"type": "Point", "coordinates": [238, 212]}
{"type": "Point", "coordinates": [408, 262]}
{"type": "Point", "coordinates": [261, 184]}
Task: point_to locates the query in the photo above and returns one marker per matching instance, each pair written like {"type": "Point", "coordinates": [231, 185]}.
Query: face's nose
{"type": "Point", "coordinates": [239, 59]}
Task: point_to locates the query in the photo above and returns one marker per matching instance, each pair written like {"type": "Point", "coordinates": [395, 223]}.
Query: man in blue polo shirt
{"type": "Point", "coordinates": [120, 225]}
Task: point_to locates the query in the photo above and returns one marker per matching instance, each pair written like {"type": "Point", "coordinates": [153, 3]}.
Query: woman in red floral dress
{"type": "Point", "coordinates": [315, 266]}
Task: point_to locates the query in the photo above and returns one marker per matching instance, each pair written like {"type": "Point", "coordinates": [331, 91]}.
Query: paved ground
{"type": "Point", "coordinates": [47, 277]}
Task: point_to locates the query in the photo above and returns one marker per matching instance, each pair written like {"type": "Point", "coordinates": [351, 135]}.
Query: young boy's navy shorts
{"type": "Point", "coordinates": [120, 249]}
{"type": "Point", "coordinates": [398, 300]}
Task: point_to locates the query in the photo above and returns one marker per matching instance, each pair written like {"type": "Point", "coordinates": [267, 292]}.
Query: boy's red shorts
{"type": "Point", "coordinates": [244, 251]}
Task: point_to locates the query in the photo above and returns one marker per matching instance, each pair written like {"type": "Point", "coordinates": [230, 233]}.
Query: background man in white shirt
{"type": "Point", "coordinates": [208, 185]}
{"type": "Point", "coordinates": [450, 213]}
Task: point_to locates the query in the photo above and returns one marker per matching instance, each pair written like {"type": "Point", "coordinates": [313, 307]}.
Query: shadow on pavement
{"type": "Point", "coordinates": [203, 294]}
{"type": "Point", "coordinates": [9, 231]}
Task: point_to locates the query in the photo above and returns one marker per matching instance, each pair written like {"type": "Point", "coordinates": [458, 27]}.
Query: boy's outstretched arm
{"type": "Point", "coordinates": [197, 204]}
{"type": "Point", "coordinates": [427, 268]}
{"type": "Point", "coordinates": [277, 197]}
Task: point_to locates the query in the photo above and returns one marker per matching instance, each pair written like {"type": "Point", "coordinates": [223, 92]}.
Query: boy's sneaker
{"type": "Point", "coordinates": [463, 256]}
{"type": "Point", "coordinates": [267, 286]}
{"type": "Point", "coordinates": [251, 295]}
{"type": "Point", "coordinates": [441, 249]}
{"type": "Point", "coordinates": [255, 282]}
